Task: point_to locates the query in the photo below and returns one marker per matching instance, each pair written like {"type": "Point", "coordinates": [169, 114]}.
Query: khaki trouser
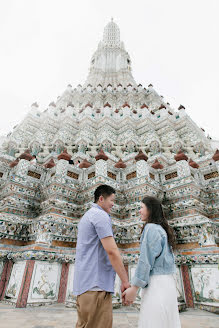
{"type": "Point", "coordinates": [94, 310]}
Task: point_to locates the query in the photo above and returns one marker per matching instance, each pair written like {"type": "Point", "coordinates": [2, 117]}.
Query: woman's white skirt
{"type": "Point", "coordinates": [159, 306]}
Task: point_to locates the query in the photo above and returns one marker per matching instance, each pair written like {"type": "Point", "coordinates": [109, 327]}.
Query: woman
{"type": "Point", "coordinates": [155, 269]}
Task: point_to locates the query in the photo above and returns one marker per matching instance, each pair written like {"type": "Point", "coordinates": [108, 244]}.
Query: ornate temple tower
{"type": "Point", "coordinates": [119, 133]}
{"type": "Point", "coordinates": [110, 64]}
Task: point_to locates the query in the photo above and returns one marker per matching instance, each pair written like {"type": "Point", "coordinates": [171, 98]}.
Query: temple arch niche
{"type": "Point", "coordinates": [130, 146]}
{"type": "Point", "coordinates": [11, 148]}
{"type": "Point", "coordinates": [106, 145]}
{"type": "Point", "coordinates": [34, 147]}
{"type": "Point", "coordinates": [155, 147]}
{"type": "Point", "coordinates": [59, 146]}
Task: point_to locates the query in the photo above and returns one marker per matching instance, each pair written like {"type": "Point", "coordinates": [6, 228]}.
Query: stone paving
{"type": "Point", "coordinates": [58, 316]}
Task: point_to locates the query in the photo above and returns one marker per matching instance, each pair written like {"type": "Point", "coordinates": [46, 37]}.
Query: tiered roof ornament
{"type": "Point", "coordinates": [193, 164]}
{"type": "Point", "coordinates": [144, 106]}
{"type": "Point", "coordinates": [180, 156]}
{"type": "Point", "coordinates": [120, 164]}
{"type": "Point", "coordinates": [14, 163]}
{"type": "Point", "coordinates": [141, 156]}
{"type": "Point", "coordinates": [157, 165]}
{"type": "Point", "coordinates": [216, 156]}
{"type": "Point", "coordinates": [64, 155]}
{"type": "Point", "coordinates": [85, 164]}
{"type": "Point", "coordinates": [101, 155]}
{"type": "Point", "coordinates": [50, 164]}
{"type": "Point", "coordinates": [26, 155]}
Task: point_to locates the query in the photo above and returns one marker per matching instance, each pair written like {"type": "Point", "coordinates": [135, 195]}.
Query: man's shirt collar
{"type": "Point", "coordinates": [97, 206]}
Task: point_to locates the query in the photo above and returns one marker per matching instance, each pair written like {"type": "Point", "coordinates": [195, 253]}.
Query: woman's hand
{"type": "Point", "coordinates": [129, 295]}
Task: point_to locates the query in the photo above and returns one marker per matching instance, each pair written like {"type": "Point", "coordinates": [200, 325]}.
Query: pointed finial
{"type": "Point", "coordinates": [111, 19]}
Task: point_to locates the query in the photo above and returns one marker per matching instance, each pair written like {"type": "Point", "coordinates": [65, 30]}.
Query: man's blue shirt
{"type": "Point", "coordinates": [92, 265]}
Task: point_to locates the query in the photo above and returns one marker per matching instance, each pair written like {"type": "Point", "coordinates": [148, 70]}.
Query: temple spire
{"type": "Point", "coordinates": [111, 35]}
{"type": "Point", "coordinates": [110, 63]}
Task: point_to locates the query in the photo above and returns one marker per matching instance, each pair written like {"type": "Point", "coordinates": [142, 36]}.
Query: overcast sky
{"type": "Point", "coordinates": [173, 44]}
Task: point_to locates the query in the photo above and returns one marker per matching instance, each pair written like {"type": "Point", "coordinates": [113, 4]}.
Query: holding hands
{"type": "Point", "coordinates": [129, 295]}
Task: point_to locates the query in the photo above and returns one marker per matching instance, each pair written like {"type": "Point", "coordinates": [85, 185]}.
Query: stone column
{"type": "Point", "coordinates": [25, 285]}
{"type": "Point", "coordinates": [187, 286]}
{"type": "Point", "coordinates": [101, 168]}
{"type": "Point", "coordinates": [61, 169]}
{"type": "Point", "coordinates": [142, 168]}
{"type": "Point", "coordinates": [5, 278]}
{"type": "Point", "coordinates": [63, 282]}
{"type": "Point", "coordinates": [22, 168]}
{"type": "Point", "coordinates": [183, 169]}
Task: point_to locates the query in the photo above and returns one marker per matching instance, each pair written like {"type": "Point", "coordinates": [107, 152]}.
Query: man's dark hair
{"type": "Point", "coordinates": [103, 190]}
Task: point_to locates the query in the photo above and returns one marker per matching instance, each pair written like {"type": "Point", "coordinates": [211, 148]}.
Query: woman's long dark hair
{"type": "Point", "coordinates": [156, 216]}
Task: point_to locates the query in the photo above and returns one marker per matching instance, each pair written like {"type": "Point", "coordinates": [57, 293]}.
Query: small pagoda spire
{"type": "Point", "coordinates": [216, 156]}
{"type": "Point", "coordinates": [157, 165]}
{"type": "Point", "coordinates": [120, 164]}
{"type": "Point", "coordinates": [52, 104]}
{"type": "Point", "coordinates": [85, 164]}
{"type": "Point", "coordinates": [141, 156]}
{"type": "Point", "coordinates": [88, 105]}
{"type": "Point", "coordinates": [26, 155]}
{"type": "Point", "coordinates": [50, 164]}
{"type": "Point", "coordinates": [144, 106]}
{"type": "Point", "coordinates": [64, 155]}
{"type": "Point", "coordinates": [70, 104]}
{"type": "Point", "coordinates": [180, 156]}
{"type": "Point", "coordinates": [35, 104]}
{"type": "Point", "coordinates": [14, 163]}
{"type": "Point", "coordinates": [126, 105]}
{"type": "Point", "coordinates": [107, 105]}
{"type": "Point", "coordinates": [101, 155]}
{"type": "Point", "coordinates": [193, 164]}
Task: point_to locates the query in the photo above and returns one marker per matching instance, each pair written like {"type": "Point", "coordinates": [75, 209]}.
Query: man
{"type": "Point", "coordinates": [97, 261]}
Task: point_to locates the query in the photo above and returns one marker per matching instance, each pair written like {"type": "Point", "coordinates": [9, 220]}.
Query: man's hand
{"type": "Point", "coordinates": [115, 258]}
{"type": "Point", "coordinates": [124, 286]}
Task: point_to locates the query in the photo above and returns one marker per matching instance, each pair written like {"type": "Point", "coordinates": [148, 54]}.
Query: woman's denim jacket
{"type": "Point", "coordinates": [156, 256]}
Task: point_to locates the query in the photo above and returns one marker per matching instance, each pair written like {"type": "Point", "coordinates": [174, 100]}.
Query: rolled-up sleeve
{"type": "Point", "coordinates": [103, 226]}
{"type": "Point", "coordinates": [151, 247]}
